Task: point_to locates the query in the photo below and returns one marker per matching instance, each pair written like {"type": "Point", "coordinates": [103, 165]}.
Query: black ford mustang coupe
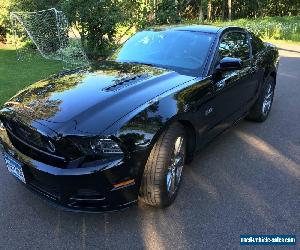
{"type": "Point", "coordinates": [99, 137]}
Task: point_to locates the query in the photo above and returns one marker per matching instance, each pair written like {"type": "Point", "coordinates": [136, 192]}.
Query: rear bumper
{"type": "Point", "coordinates": [94, 188]}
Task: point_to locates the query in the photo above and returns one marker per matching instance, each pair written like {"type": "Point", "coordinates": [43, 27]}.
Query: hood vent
{"type": "Point", "coordinates": [125, 82]}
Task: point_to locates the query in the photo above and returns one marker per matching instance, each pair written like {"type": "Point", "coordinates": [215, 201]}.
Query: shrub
{"type": "Point", "coordinates": [4, 19]}
{"type": "Point", "coordinates": [167, 13]}
{"type": "Point", "coordinates": [98, 21]}
{"type": "Point", "coordinates": [278, 28]}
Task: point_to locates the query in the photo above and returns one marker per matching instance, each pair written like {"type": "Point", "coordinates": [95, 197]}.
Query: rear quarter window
{"type": "Point", "coordinates": [257, 44]}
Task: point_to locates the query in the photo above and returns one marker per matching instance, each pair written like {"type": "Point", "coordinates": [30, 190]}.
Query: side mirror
{"type": "Point", "coordinates": [230, 63]}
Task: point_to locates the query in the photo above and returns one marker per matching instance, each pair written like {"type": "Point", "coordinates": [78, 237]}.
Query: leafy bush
{"type": "Point", "coordinates": [4, 19]}
{"type": "Point", "coordinates": [167, 13]}
{"type": "Point", "coordinates": [73, 53]}
{"type": "Point", "coordinates": [98, 21]}
{"type": "Point", "coordinates": [278, 28]}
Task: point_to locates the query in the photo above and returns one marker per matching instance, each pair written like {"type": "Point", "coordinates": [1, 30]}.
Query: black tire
{"type": "Point", "coordinates": [155, 190]}
{"type": "Point", "coordinates": [260, 111]}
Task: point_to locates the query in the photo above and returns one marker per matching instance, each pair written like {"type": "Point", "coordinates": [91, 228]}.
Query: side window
{"type": "Point", "coordinates": [257, 44]}
{"type": "Point", "coordinates": [234, 44]}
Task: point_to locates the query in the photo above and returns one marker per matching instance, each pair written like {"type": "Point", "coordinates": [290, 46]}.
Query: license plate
{"type": "Point", "coordinates": [14, 167]}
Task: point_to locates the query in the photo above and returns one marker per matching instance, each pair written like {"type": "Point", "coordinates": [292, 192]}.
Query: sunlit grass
{"type": "Point", "coordinates": [15, 75]}
{"type": "Point", "coordinates": [267, 28]}
{"type": "Point", "coordinates": [282, 42]}
{"type": "Point", "coordinates": [270, 28]}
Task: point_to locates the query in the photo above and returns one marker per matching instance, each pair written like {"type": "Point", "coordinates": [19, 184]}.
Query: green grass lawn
{"type": "Point", "coordinates": [15, 75]}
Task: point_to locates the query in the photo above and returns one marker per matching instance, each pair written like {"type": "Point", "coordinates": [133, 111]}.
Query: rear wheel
{"type": "Point", "coordinates": [261, 109]}
{"type": "Point", "coordinates": [163, 170]}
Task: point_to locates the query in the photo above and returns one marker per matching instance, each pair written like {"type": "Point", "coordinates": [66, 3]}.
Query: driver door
{"type": "Point", "coordinates": [234, 89]}
{"type": "Point", "coordinates": [231, 90]}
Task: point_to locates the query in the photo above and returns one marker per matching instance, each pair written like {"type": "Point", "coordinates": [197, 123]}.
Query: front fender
{"type": "Point", "coordinates": [140, 128]}
{"type": "Point", "coordinates": [272, 62]}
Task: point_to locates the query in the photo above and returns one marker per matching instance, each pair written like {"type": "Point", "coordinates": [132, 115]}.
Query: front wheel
{"type": "Point", "coordinates": [163, 170]}
{"type": "Point", "coordinates": [261, 109]}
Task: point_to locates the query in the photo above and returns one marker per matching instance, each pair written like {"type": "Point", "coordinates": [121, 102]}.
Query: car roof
{"type": "Point", "coordinates": [197, 28]}
{"type": "Point", "coordinates": [202, 28]}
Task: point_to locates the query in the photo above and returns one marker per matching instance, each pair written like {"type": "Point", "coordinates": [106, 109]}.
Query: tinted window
{"type": "Point", "coordinates": [257, 44]}
{"type": "Point", "coordinates": [234, 44]}
{"type": "Point", "coordinates": [177, 50]}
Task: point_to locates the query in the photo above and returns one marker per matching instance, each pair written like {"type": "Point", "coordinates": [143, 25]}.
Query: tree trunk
{"type": "Point", "coordinates": [200, 11]}
{"type": "Point", "coordinates": [259, 8]}
{"type": "Point", "coordinates": [223, 10]}
{"type": "Point", "coordinates": [209, 10]}
{"type": "Point", "coordinates": [229, 10]}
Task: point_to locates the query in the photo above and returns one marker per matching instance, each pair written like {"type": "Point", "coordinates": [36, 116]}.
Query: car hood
{"type": "Point", "coordinates": [94, 96]}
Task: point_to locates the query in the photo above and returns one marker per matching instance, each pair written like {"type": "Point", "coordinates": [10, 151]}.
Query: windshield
{"type": "Point", "coordinates": [176, 50]}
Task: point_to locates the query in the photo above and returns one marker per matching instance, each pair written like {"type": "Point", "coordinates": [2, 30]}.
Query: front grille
{"type": "Point", "coordinates": [35, 153]}
{"type": "Point", "coordinates": [42, 148]}
{"type": "Point", "coordinates": [28, 135]}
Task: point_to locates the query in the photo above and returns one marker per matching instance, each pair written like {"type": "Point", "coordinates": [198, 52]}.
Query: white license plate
{"type": "Point", "coordinates": [14, 167]}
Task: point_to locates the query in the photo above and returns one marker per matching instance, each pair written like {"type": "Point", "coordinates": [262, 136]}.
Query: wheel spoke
{"type": "Point", "coordinates": [269, 96]}
{"type": "Point", "coordinates": [178, 145]}
{"type": "Point", "coordinates": [178, 174]}
{"type": "Point", "coordinates": [176, 165]}
{"type": "Point", "coordinates": [173, 183]}
{"type": "Point", "coordinates": [267, 100]}
{"type": "Point", "coordinates": [169, 178]}
{"type": "Point", "coordinates": [178, 161]}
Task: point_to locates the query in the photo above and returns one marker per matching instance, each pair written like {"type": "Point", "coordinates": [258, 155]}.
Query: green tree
{"type": "Point", "coordinates": [6, 6]}
{"type": "Point", "coordinates": [101, 23]}
{"type": "Point", "coordinates": [4, 18]}
{"type": "Point", "coordinates": [167, 12]}
{"type": "Point", "coordinates": [98, 21]}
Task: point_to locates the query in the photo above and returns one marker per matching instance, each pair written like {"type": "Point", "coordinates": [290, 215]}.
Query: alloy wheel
{"type": "Point", "coordinates": [175, 169]}
{"type": "Point", "coordinates": [267, 102]}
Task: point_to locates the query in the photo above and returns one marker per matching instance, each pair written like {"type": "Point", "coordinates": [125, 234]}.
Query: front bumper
{"type": "Point", "coordinates": [94, 188]}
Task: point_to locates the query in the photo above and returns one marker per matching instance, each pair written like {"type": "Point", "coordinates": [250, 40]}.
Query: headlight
{"type": "Point", "coordinates": [105, 146]}
{"type": "Point", "coordinates": [98, 146]}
